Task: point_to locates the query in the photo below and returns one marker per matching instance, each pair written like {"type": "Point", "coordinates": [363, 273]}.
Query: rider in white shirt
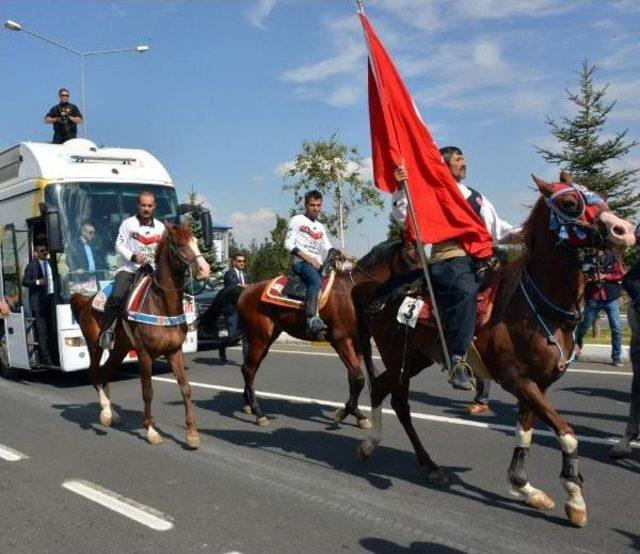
{"type": "Point", "coordinates": [309, 245]}
{"type": "Point", "coordinates": [137, 242]}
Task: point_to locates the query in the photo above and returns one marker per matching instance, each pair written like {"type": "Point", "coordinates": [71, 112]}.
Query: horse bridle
{"type": "Point", "coordinates": [189, 264]}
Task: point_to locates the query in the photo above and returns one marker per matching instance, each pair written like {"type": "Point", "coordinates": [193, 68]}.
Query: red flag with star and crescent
{"type": "Point", "coordinates": [399, 136]}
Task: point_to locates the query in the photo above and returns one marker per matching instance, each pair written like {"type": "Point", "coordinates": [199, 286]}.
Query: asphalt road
{"type": "Point", "coordinates": [297, 486]}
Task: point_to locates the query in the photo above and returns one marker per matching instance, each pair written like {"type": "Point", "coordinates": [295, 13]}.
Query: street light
{"type": "Point", "coordinates": [142, 48]}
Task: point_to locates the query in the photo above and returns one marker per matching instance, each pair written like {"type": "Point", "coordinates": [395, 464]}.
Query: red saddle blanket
{"type": "Point", "coordinates": [486, 301]}
{"type": "Point", "coordinates": [273, 294]}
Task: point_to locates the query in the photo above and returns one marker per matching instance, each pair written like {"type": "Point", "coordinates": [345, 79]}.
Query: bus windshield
{"type": "Point", "coordinates": [91, 215]}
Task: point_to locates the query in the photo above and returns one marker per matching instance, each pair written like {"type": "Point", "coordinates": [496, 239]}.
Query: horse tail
{"type": "Point", "coordinates": [78, 303]}
{"type": "Point", "coordinates": [228, 296]}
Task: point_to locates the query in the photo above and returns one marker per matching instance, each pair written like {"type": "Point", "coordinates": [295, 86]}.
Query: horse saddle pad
{"type": "Point", "coordinates": [135, 297]}
{"type": "Point", "coordinates": [289, 291]}
{"type": "Point", "coordinates": [420, 310]}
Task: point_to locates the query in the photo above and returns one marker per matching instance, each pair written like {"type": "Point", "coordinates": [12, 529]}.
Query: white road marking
{"type": "Point", "coordinates": [414, 415]}
{"type": "Point", "coordinates": [333, 355]}
{"type": "Point", "coordinates": [124, 506]}
{"type": "Point", "coordinates": [11, 455]}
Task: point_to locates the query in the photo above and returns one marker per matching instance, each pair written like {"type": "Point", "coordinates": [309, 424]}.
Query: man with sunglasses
{"type": "Point", "coordinates": [234, 277]}
{"type": "Point", "coordinates": [39, 280]}
{"type": "Point", "coordinates": [65, 117]}
{"type": "Point", "coordinates": [84, 254]}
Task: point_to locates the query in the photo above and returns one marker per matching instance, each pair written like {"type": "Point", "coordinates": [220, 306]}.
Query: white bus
{"type": "Point", "coordinates": [47, 191]}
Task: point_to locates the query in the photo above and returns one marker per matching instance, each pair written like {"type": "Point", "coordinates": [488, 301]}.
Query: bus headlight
{"type": "Point", "coordinates": [74, 341]}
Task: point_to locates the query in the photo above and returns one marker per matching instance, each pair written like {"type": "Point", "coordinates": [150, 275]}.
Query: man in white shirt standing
{"type": "Point", "coordinates": [137, 242]}
{"type": "Point", "coordinates": [454, 274]}
{"type": "Point", "coordinates": [309, 245]}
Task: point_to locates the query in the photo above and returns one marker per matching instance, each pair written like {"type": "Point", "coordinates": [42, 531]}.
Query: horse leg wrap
{"type": "Point", "coordinates": [518, 469]}
{"type": "Point", "coordinates": [570, 469]}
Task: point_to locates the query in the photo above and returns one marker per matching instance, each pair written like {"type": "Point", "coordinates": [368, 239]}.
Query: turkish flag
{"type": "Point", "coordinates": [399, 136]}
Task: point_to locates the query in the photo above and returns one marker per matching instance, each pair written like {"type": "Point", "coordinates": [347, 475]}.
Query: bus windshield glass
{"type": "Point", "coordinates": [91, 215]}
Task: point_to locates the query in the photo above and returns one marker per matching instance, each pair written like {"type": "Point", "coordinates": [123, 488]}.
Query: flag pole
{"type": "Point", "coordinates": [360, 6]}
{"type": "Point", "coordinates": [427, 275]}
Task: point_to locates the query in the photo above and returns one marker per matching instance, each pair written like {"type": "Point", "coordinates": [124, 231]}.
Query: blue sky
{"type": "Point", "coordinates": [230, 88]}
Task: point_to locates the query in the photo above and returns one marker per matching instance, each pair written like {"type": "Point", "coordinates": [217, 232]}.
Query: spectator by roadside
{"type": "Point", "coordinates": [234, 277]}
{"type": "Point", "coordinates": [602, 292]}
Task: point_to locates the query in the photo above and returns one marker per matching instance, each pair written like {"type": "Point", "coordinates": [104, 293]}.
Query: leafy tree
{"type": "Point", "coordinates": [588, 153]}
{"type": "Point", "coordinates": [394, 229]}
{"type": "Point", "coordinates": [334, 169]}
{"type": "Point", "coordinates": [210, 255]}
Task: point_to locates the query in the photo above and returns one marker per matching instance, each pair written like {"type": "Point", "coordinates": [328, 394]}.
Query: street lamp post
{"type": "Point", "coordinates": [141, 49]}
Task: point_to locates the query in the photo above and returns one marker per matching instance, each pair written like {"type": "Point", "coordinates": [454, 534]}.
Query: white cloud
{"type": "Point", "coordinates": [253, 225]}
{"type": "Point", "coordinates": [259, 13]}
{"type": "Point", "coordinates": [283, 168]}
{"type": "Point", "coordinates": [345, 96]}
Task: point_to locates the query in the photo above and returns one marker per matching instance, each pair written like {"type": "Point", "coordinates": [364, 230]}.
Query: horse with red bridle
{"type": "Point", "coordinates": [176, 253]}
{"type": "Point", "coordinates": [527, 341]}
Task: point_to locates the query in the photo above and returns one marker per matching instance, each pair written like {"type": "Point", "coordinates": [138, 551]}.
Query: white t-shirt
{"type": "Point", "coordinates": [308, 236]}
{"type": "Point", "coordinates": [136, 238]}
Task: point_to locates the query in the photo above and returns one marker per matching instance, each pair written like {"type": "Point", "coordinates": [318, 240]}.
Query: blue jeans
{"type": "Point", "coordinates": [612, 309]}
{"type": "Point", "coordinates": [312, 278]}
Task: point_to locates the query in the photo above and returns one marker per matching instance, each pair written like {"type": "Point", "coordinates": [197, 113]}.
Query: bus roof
{"type": "Point", "coordinates": [79, 160]}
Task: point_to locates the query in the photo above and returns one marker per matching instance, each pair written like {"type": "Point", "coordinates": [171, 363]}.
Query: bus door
{"type": "Point", "coordinates": [14, 342]}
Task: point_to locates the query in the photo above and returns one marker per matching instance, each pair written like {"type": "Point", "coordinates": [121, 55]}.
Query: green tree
{"type": "Point", "coordinates": [209, 253]}
{"type": "Point", "coordinates": [588, 153]}
{"type": "Point", "coordinates": [334, 169]}
{"type": "Point", "coordinates": [394, 229]}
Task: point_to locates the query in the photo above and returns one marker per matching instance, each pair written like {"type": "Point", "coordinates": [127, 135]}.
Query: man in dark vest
{"type": "Point", "coordinates": [454, 274]}
{"type": "Point", "coordinates": [64, 117]}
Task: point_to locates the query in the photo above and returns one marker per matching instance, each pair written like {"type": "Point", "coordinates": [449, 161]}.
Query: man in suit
{"type": "Point", "coordinates": [234, 277]}
{"type": "Point", "coordinates": [83, 253]}
{"type": "Point", "coordinates": [39, 280]}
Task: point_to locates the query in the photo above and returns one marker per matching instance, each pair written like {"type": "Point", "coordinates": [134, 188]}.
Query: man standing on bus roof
{"type": "Point", "coordinates": [137, 242]}
{"type": "Point", "coordinates": [65, 117]}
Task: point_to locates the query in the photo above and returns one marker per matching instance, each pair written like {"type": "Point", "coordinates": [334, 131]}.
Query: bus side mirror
{"type": "Point", "coordinates": [207, 227]}
{"type": "Point", "coordinates": [54, 227]}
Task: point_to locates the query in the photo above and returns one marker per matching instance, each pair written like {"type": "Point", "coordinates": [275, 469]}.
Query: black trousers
{"type": "Point", "coordinates": [43, 329]}
{"type": "Point", "coordinates": [115, 304]}
{"type": "Point", "coordinates": [455, 286]}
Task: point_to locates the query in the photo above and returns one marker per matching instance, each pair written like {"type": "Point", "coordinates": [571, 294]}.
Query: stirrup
{"type": "Point", "coordinates": [107, 338]}
{"type": "Point", "coordinates": [461, 376]}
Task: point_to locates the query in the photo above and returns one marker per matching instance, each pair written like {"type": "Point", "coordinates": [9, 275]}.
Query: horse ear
{"type": "Point", "coordinates": [545, 188]}
{"type": "Point", "coordinates": [565, 177]}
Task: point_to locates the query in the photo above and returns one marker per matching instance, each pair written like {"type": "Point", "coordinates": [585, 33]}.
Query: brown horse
{"type": "Point", "coordinates": [528, 340]}
{"type": "Point", "coordinates": [177, 251]}
{"type": "Point", "coordinates": [263, 323]}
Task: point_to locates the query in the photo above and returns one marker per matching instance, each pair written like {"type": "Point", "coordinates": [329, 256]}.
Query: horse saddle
{"type": "Point", "coordinates": [289, 291]}
{"type": "Point", "coordinates": [416, 310]}
{"type": "Point", "coordinates": [134, 300]}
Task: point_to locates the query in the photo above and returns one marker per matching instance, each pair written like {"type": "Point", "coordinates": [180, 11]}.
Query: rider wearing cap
{"type": "Point", "coordinates": [137, 242]}
{"type": "Point", "coordinates": [454, 273]}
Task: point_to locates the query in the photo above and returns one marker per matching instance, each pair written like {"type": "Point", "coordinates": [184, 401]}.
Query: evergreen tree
{"type": "Point", "coordinates": [209, 254]}
{"type": "Point", "coordinates": [334, 169]}
{"type": "Point", "coordinates": [587, 153]}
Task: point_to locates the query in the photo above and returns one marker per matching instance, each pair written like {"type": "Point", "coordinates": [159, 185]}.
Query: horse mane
{"type": "Point", "coordinates": [380, 253]}
{"type": "Point", "coordinates": [180, 235]}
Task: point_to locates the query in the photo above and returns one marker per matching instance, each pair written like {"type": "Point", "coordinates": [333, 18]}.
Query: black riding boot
{"type": "Point", "coordinates": [107, 324]}
{"type": "Point", "coordinates": [315, 325]}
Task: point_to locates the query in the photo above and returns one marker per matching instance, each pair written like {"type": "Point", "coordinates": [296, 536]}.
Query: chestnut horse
{"type": "Point", "coordinates": [528, 341]}
{"type": "Point", "coordinates": [262, 324]}
{"type": "Point", "coordinates": [177, 252]}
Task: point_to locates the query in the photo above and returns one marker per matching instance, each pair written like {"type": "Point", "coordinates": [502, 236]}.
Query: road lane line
{"type": "Point", "coordinates": [11, 455]}
{"type": "Point", "coordinates": [121, 504]}
{"type": "Point", "coordinates": [414, 415]}
{"type": "Point", "coordinates": [333, 355]}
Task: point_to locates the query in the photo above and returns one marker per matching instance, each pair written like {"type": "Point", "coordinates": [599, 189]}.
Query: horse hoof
{"type": "Point", "coordinates": [115, 419]}
{"type": "Point", "coordinates": [339, 415]}
{"type": "Point", "coordinates": [153, 437]}
{"type": "Point", "coordinates": [437, 476]}
{"type": "Point", "coordinates": [577, 516]}
{"type": "Point", "coordinates": [262, 421]}
{"type": "Point", "coordinates": [364, 423]}
{"type": "Point", "coordinates": [193, 442]}
{"type": "Point", "coordinates": [106, 420]}
{"type": "Point", "coordinates": [541, 501]}
{"type": "Point", "coordinates": [246, 409]}
{"type": "Point", "coordinates": [365, 449]}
